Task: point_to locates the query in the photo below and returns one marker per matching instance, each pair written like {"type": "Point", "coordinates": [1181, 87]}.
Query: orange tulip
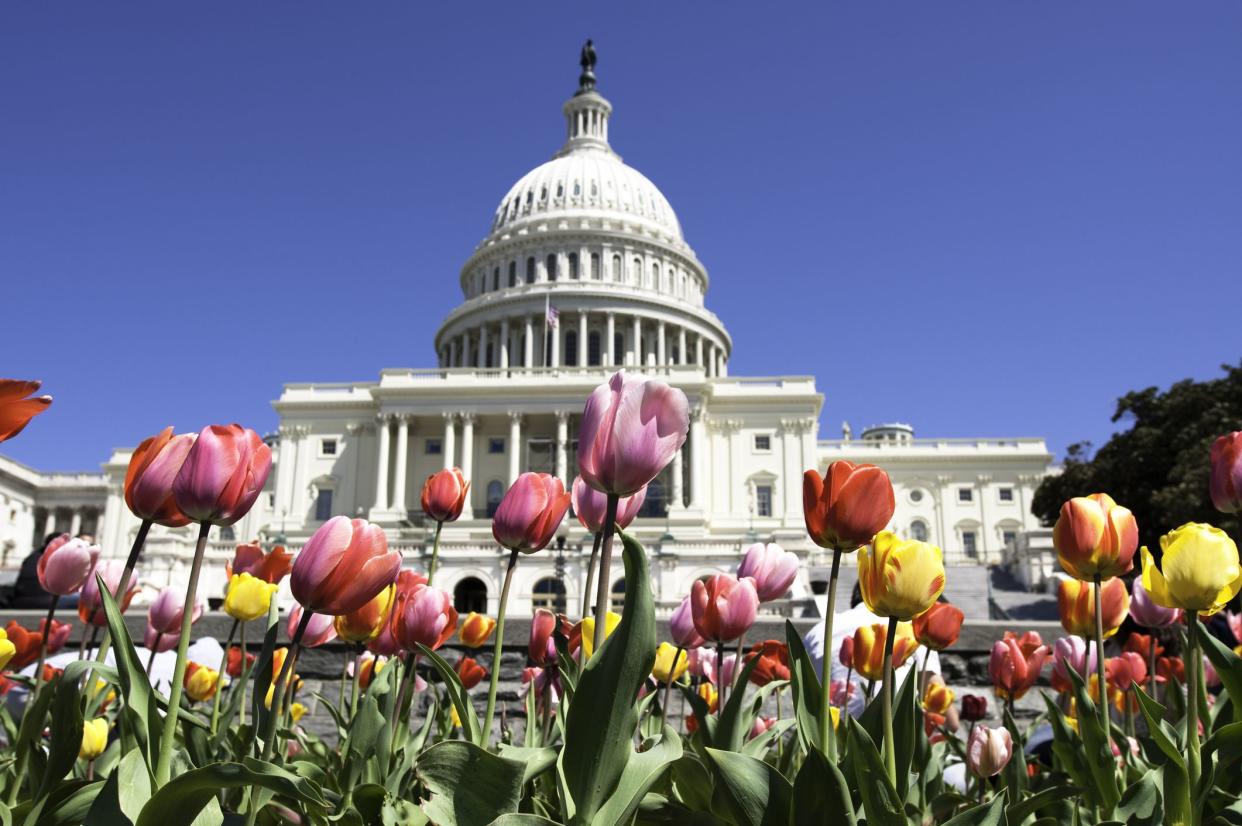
{"type": "Point", "coordinates": [470, 672]}
{"type": "Point", "coordinates": [773, 662]}
{"type": "Point", "coordinates": [270, 567]}
{"type": "Point", "coordinates": [16, 406]}
{"type": "Point", "coordinates": [1016, 662]}
{"type": "Point", "coordinates": [939, 626]}
{"type": "Point", "coordinates": [1094, 536]}
{"type": "Point", "coordinates": [1076, 601]}
{"type": "Point", "coordinates": [848, 506]}
{"type": "Point", "coordinates": [869, 641]}
{"type": "Point", "coordinates": [475, 629]}
{"type": "Point", "coordinates": [444, 495]}
{"type": "Point", "coordinates": [938, 698]}
{"type": "Point", "coordinates": [153, 466]}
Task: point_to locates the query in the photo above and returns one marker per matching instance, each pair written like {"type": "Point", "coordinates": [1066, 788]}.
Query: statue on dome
{"type": "Point", "coordinates": [586, 81]}
{"type": "Point", "coordinates": [847, 432]}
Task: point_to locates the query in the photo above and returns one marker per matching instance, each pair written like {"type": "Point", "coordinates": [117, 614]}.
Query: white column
{"type": "Point", "coordinates": [504, 344]}
{"type": "Point", "coordinates": [299, 487]}
{"type": "Point", "coordinates": [681, 345]}
{"type": "Point", "coordinates": [711, 359]}
{"type": "Point", "coordinates": [450, 433]}
{"type": "Point", "coordinates": [636, 349]}
{"type": "Point", "coordinates": [75, 522]}
{"type": "Point", "coordinates": [453, 350]}
{"type": "Point", "coordinates": [610, 337]}
{"type": "Point", "coordinates": [515, 445]}
{"type": "Point", "coordinates": [481, 360]}
{"type": "Point", "coordinates": [463, 351]}
{"type": "Point", "coordinates": [381, 479]}
{"type": "Point", "coordinates": [661, 352]}
{"type": "Point", "coordinates": [698, 453]}
{"type": "Point", "coordinates": [49, 523]}
{"type": "Point", "coordinates": [562, 440]}
{"type": "Point", "coordinates": [554, 333]}
{"type": "Point", "coordinates": [698, 350]}
{"type": "Point", "coordinates": [528, 344]}
{"type": "Point", "coordinates": [467, 458]}
{"type": "Point", "coordinates": [403, 451]}
{"type": "Point", "coordinates": [679, 495]}
{"type": "Point", "coordinates": [722, 368]}
{"type": "Point", "coordinates": [582, 333]}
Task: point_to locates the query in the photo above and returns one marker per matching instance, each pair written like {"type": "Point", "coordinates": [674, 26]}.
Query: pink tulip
{"type": "Point", "coordinates": [989, 750]}
{"type": "Point", "coordinates": [1211, 679]}
{"type": "Point", "coordinates": [1225, 484]}
{"type": "Point", "coordinates": [701, 662]}
{"type": "Point", "coordinates": [167, 610]}
{"type": "Point", "coordinates": [90, 603]}
{"type": "Point", "coordinates": [385, 644]}
{"type": "Point", "coordinates": [631, 429]}
{"type": "Point", "coordinates": [842, 691]}
{"type": "Point", "coordinates": [771, 567]}
{"type": "Point", "coordinates": [1071, 652]}
{"type": "Point", "coordinates": [591, 506]}
{"type": "Point", "coordinates": [723, 607]}
{"type": "Point", "coordinates": [156, 641]}
{"type": "Point", "coordinates": [530, 512]}
{"type": "Point", "coordinates": [728, 669]}
{"type": "Point", "coordinates": [222, 474]}
{"type": "Point", "coordinates": [65, 564]}
{"type": "Point", "coordinates": [681, 627]}
{"type": "Point", "coordinates": [424, 615]}
{"type": "Point", "coordinates": [320, 629]}
{"type": "Point", "coordinates": [1146, 612]}
{"type": "Point", "coordinates": [542, 679]}
{"type": "Point", "coordinates": [1235, 625]}
{"type": "Point", "coordinates": [761, 725]}
{"type": "Point", "coordinates": [343, 566]}
{"type": "Point", "coordinates": [846, 654]}
{"type": "Point", "coordinates": [149, 478]}
{"type": "Point", "coordinates": [542, 647]}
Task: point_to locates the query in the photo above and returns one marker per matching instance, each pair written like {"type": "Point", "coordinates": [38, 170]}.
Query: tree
{"type": "Point", "coordinates": [1159, 467]}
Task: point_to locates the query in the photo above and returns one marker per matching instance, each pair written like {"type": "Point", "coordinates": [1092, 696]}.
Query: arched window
{"type": "Point", "coordinates": [655, 276]}
{"type": "Point", "coordinates": [616, 269]}
{"type": "Point", "coordinates": [549, 593]}
{"type": "Point", "coordinates": [593, 353]}
{"type": "Point", "coordinates": [571, 348]}
{"type": "Point", "coordinates": [656, 504]}
{"type": "Point", "coordinates": [470, 595]}
{"type": "Point", "coordinates": [530, 270]}
{"type": "Point", "coordinates": [496, 279]}
{"type": "Point", "coordinates": [918, 530]}
{"type": "Point", "coordinates": [636, 271]}
{"type": "Point", "coordinates": [618, 347]}
{"type": "Point", "coordinates": [512, 273]}
{"type": "Point", "coordinates": [595, 274]}
{"type": "Point", "coordinates": [618, 597]}
{"type": "Point", "coordinates": [573, 266]}
{"type": "Point", "coordinates": [551, 266]}
{"type": "Point", "coordinates": [495, 492]}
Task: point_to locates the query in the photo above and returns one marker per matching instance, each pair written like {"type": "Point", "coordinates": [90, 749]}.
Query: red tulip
{"type": "Point", "coordinates": [1125, 671]}
{"type": "Point", "coordinates": [423, 615]}
{"type": "Point", "coordinates": [469, 672]}
{"type": "Point", "coordinates": [1016, 662]}
{"type": "Point", "coordinates": [591, 506]}
{"type": "Point", "coordinates": [320, 629]}
{"type": "Point", "coordinates": [848, 506]}
{"type": "Point", "coordinates": [235, 666]}
{"type": "Point", "coordinates": [723, 606]}
{"type": "Point", "coordinates": [1226, 480]}
{"type": "Point", "coordinates": [939, 626]}
{"type": "Point", "coordinates": [530, 512]}
{"type": "Point", "coordinates": [26, 643]}
{"type": "Point", "coordinates": [153, 466]}
{"type": "Point", "coordinates": [384, 643]}
{"type": "Point", "coordinates": [444, 495]}
{"type": "Point", "coordinates": [846, 654]}
{"type": "Point", "coordinates": [222, 475]}
{"type": "Point", "coordinates": [16, 408]}
{"type": "Point", "coordinates": [773, 662]}
{"type": "Point", "coordinates": [631, 429]}
{"type": "Point", "coordinates": [65, 564]}
{"type": "Point", "coordinates": [346, 563]}
{"type": "Point", "coordinates": [542, 648]}
{"type": "Point", "coordinates": [90, 603]}
{"type": "Point", "coordinates": [771, 567]}
{"type": "Point", "coordinates": [249, 558]}
{"type": "Point", "coordinates": [1170, 668]}
{"type": "Point", "coordinates": [1141, 644]}
{"type": "Point", "coordinates": [974, 708]}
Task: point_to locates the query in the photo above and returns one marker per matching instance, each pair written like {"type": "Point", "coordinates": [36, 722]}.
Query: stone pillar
{"type": "Point", "coordinates": [381, 479]}
{"type": "Point", "coordinates": [49, 523]}
{"type": "Point", "coordinates": [698, 350]}
{"type": "Point", "coordinates": [463, 351]}
{"type": "Point", "coordinates": [481, 360]}
{"type": "Point", "coordinates": [711, 359]}
{"type": "Point", "coordinates": [467, 458]}
{"type": "Point", "coordinates": [75, 522]}
{"type": "Point", "coordinates": [453, 351]}
{"type": "Point", "coordinates": [610, 337]}
{"type": "Point", "coordinates": [681, 345]}
{"type": "Point", "coordinates": [515, 445]}
{"type": "Point", "coordinates": [504, 345]}
{"type": "Point", "coordinates": [450, 433]}
{"type": "Point", "coordinates": [528, 344]}
{"type": "Point", "coordinates": [582, 339]}
{"type": "Point", "coordinates": [679, 493]}
{"type": "Point", "coordinates": [722, 369]}
{"type": "Point", "coordinates": [562, 440]}
{"type": "Point", "coordinates": [403, 452]}
{"type": "Point", "coordinates": [698, 451]}
{"type": "Point", "coordinates": [636, 349]}
{"type": "Point", "coordinates": [554, 336]}
{"type": "Point", "coordinates": [661, 352]}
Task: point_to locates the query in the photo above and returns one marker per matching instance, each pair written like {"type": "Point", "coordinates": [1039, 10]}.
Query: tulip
{"type": "Point", "coordinates": [469, 672]}
{"type": "Point", "coordinates": [988, 751]}
{"type": "Point", "coordinates": [1235, 625]}
{"type": "Point", "coordinates": [249, 558]}
{"type": "Point", "coordinates": [18, 405]}
{"type": "Point", "coordinates": [900, 578]}
{"type": "Point", "coordinates": [1142, 644]}
{"type": "Point", "coordinates": [591, 506]}
{"type": "Point", "coordinates": [760, 725]}
{"type": "Point", "coordinates": [848, 506]}
{"type": "Point", "coordinates": [1225, 484]}
{"type": "Point", "coordinates": [423, 616]}
{"type": "Point", "coordinates": [1095, 537]}
{"type": "Point", "coordinates": [367, 669]}
{"type": "Point", "coordinates": [771, 567]}
{"type": "Point", "coordinates": [588, 632]}
{"type": "Point", "coordinates": [444, 495]}
{"type": "Point", "coordinates": [841, 691]}
{"type": "Point", "coordinates": [710, 695]}
{"type": "Point", "coordinates": [65, 564]}
{"type": "Point", "coordinates": [1198, 570]}
{"type": "Point", "coordinates": [846, 652]}
{"type": "Point", "coordinates": [476, 629]}
{"type": "Point", "coordinates": [702, 663]}
{"type": "Point", "coordinates": [530, 512]}
{"type": "Point", "coordinates": [345, 565]}
{"type": "Point", "coordinates": [94, 738]}
{"type": "Point", "coordinates": [248, 597]}
{"type": "Point", "coordinates": [201, 682]}
{"type": "Point", "coordinates": [723, 607]}
{"type": "Point", "coordinates": [1076, 603]}
{"type": "Point", "coordinates": [385, 644]}
{"type": "Point", "coordinates": [1015, 664]}
{"type": "Point", "coordinates": [366, 623]}
{"type": "Point", "coordinates": [157, 641]}
{"type": "Point", "coordinates": [773, 662]}
{"type": "Point", "coordinates": [297, 711]}
{"type": "Point", "coordinates": [937, 697]}
{"type": "Point", "coordinates": [728, 670]}
{"type": "Point", "coordinates": [1171, 669]}
{"type": "Point", "coordinates": [235, 666]}
{"type": "Point", "coordinates": [681, 627]}
{"type": "Point", "coordinates": [974, 708]}
{"type": "Point", "coordinates": [7, 651]}
{"type": "Point", "coordinates": [1071, 652]}
{"type": "Point", "coordinates": [222, 474]}
{"type": "Point", "coordinates": [166, 611]}
{"type": "Point", "coordinates": [542, 648]}
{"type": "Point", "coordinates": [90, 603]}
{"type": "Point", "coordinates": [149, 477]}
{"type": "Point", "coordinates": [546, 685]}
{"type": "Point", "coordinates": [869, 643]}
{"type": "Point", "coordinates": [1125, 671]}
{"type": "Point", "coordinates": [670, 663]}
{"type": "Point", "coordinates": [1147, 613]}
{"type": "Point", "coordinates": [938, 627]}
{"type": "Point", "coordinates": [320, 628]}
{"type": "Point", "coordinates": [1211, 678]}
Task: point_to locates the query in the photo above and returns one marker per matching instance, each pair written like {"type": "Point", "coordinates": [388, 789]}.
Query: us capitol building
{"type": "Point", "coordinates": [584, 270]}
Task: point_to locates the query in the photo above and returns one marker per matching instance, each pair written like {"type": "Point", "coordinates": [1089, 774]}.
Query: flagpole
{"type": "Point", "coordinates": [547, 304]}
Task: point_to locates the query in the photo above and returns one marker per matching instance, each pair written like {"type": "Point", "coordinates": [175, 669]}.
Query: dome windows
{"type": "Point", "coordinates": [595, 274]}
{"type": "Point", "coordinates": [573, 266]}
{"type": "Point", "coordinates": [512, 273]}
{"type": "Point", "coordinates": [550, 265]}
{"type": "Point", "coordinates": [530, 270]}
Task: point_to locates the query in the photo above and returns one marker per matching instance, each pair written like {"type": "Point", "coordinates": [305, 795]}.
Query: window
{"type": "Point", "coordinates": [512, 273]}
{"type": "Point", "coordinates": [1009, 538]}
{"type": "Point", "coordinates": [618, 597]}
{"type": "Point", "coordinates": [655, 505]}
{"type": "Point", "coordinates": [573, 265]}
{"type": "Point", "coordinates": [470, 595]}
{"type": "Point", "coordinates": [918, 530]}
{"type": "Point", "coordinates": [616, 268]}
{"type": "Point", "coordinates": [916, 496]}
{"type": "Point", "coordinates": [271, 500]}
{"type": "Point", "coordinates": [550, 264]}
{"type": "Point", "coordinates": [496, 279]}
{"type": "Point", "coordinates": [530, 270]}
{"type": "Point", "coordinates": [618, 346]}
{"type": "Point", "coordinates": [965, 495]}
{"type": "Point", "coordinates": [549, 593]}
{"type": "Point", "coordinates": [636, 272]}
{"type": "Point", "coordinates": [496, 445]}
{"type": "Point", "coordinates": [495, 492]}
{"type": "Point", "coordinates": [595, 266]}
{"type": "Point", "coordinates": [571, 349]}
{"type": "Point", "coordinates": [763, 442]}
{"type": "Point", "coordinates": [969, 544]}
{"type": "Point", "coordinates": [432, 447]}
{"type": "Point", "coordinates": [227, 534]}
{"type": "Point", "coordinates": [323, 505]}
{"type": "Point", "coordinates": [540, 456]}
{"type": "Point", "coordinates": [1005, 494]}
{"type": "Point", "coordinates": [593, 349]}
{"type": "Point", "coordinates": [327, 447]}
{"type": "Point", "coordinates": [763, 500]}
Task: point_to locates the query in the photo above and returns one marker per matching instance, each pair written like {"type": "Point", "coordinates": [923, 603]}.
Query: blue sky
{"type": "Point", "coordinates": [982, 218]}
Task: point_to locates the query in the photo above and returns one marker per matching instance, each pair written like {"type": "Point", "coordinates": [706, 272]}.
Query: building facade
{"type": "Point", "coordinates": [585, 271]}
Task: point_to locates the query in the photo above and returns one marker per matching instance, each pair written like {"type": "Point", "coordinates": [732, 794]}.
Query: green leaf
{"type": "Point", "coordinates": [66, 737]}
{"type": "Point", "coordinates": [458, 694]}
{"type": "Point", "coordinates": [1096, 751]}
{"type": "Point", "coordinates": [1018, 812]}
{"type": "Point", "coordinates": [179, 802]}
{"type": "Point", "coordinates": [1225, 743]}
{"type": "Point", "coordinates": [534, 761]}
{"type": "Point", "coordinates": [359, 748]}
{"type": "Point", "coordinates": [1227, 664]}
{"type": "Point", "coordinates": [1015, 769]}
{"type": "Point", "coordinates": [820, 794]}
{"type": "Point", "coordinates": [752, 792]}
{"type": "Point", "coordinates": [139, 705]}
{"type": "Point", "coordinates": [880, 801]}
{"type": "Point", "coordinates": [601, 721]}
{"type": "Point", "coordinates": [263, 678]}
{"type": "Point", "coordinates": [985, 814]}
{"type": "Point", "coordinates": [805, 683]}
{"type": "Point", "coordinates": [522, 820]}
{"type": "Point", "coordinates": [641, 773]}
{"type": "Point", "coordinates": [758, 746]}
{"type": "Point", "coordinates": [1142, 804]}
{"type": "Point", "coordinates": [69, 803]}
{"type": "Point", "coordinates": [1158, 729]}
{"type": "Point", "coordinates": [732, 728]}
{"type": "Point", "coordinates": [469, 786]}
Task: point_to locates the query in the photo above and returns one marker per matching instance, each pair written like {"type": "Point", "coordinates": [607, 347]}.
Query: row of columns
{"type": "Point", "coordinates": [706, 352]}
{"type": "Point", "coordinates": [78, 516]}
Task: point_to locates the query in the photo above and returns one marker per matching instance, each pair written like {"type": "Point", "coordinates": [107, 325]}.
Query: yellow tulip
{"type": "Point", "coordinates": [1199, 570]}
{"type": "Point", "coordinates": [297, 711]}
{"type": "Point", "coordinates": [835, 714]}
{"type": "Point", "coordinates": [7, 649]}
{"type": "Point", "coordinates": [664, 662]}
{"type": "Point", "coordinates": [454, 716]}
{"type": "Point", "coordinates": [708, 692]}
{"type": "Point", "coordinates": [94, 738]}
{"type": "Point", "coordinates": [588, 632]}
{"type": "Point", "coordinates": [366, 623]}
{"type": "Point", "coordinates": [900, 578]}
{"type": "Point", "coordinates": [938, 697]}
{"type": "Point", "coordinates": [201, 682]}
{"type": "Point", "coordinates": [248, 597]}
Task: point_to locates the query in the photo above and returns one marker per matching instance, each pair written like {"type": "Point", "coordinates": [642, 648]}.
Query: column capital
{"type": "Point", "coordinates": [515, 417]}
{"type": "Point", "coordinates": [385, 417]}
{"type": "Point", "coordinates": [698, 413]}
{"type": "Point", "coordinates": [983, 479]}
{"type": "Point", "coordinates": [468, 419]}
{"type": "Point", "coordinates": [562, 416]}
{"type": "Point", "coordinates": [449, 417]}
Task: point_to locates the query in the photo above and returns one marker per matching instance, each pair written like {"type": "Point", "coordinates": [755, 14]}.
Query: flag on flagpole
{"type": "Point", "coordinates": [551, 314]}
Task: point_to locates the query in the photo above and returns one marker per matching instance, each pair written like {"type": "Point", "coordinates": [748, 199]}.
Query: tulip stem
{"type": "Point", "coordinates": [605, 567]}
{"type": "Point", "coordinates": [168, 734]}
{"type": "Point", "coordinates": [485, 734]}
{"type": "Point", "coordinates": [890, 746]}
{"type": "Point", "coordinates": [435, 554]}
{"type": "Point", "coordinates": [155, 647]}
{"type": "Point", "coordinates": [1193, 758]}
{"type": "Point", "coordinates": [47, 632]}
{"type": "Point", "coordinates": [1151, 666]}
{"type": "Point", "coordinates": [736, 676]}
{"type": "Point", "coordinates": [668, 688]}
{"type": "Point", "coordinates": [1099, 661]}
{"type": "Point", "coordinates": [825, 678]}
{"type": "Point", "coordinates": [590, 580]}
{"type": "Point", "coordinates": [720, 683]}
{"type": "Point", "coordinates": [122, 586]}
{"type": "Point", "coordinates": [353, 696]}
{"type": "Point", "coordinates": [340, 696]}
{"type": "Point", "coordinates": [269, 738]}
{"type": "Point", "coordinates": [245, 671]}
{"type": "Point", "coordinates": [224, 663]}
